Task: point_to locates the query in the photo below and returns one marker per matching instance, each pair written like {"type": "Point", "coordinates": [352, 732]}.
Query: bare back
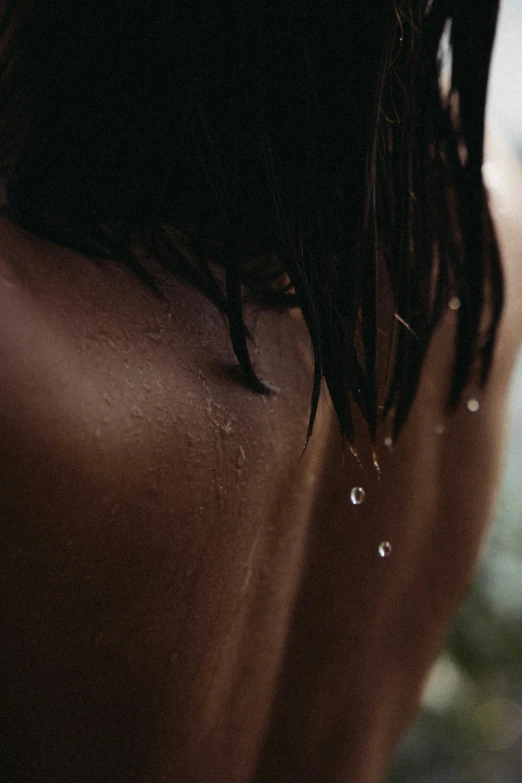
{"type": "Point", "coordinates": [185, 597]}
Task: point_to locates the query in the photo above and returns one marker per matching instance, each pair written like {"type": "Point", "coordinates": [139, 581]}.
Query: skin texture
{"type": "Point", "coordinates": [184, 596]}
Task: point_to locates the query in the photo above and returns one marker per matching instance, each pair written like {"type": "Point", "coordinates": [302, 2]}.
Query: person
{"type": "Point", "coordinates": [253, 379]}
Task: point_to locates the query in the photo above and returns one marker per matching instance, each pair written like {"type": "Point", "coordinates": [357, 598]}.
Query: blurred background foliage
{"type": "Point", "coordinates": [469, 728]}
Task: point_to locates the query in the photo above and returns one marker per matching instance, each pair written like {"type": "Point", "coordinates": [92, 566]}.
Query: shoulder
{"type": "Point", "coordinates": [96, 373]}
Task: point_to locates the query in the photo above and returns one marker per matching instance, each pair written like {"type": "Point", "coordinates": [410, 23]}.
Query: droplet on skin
{"type": "Point", "coordinates": [385, 549]}
{"type": "Point", "coordinates": [440, 429]}
{"type": "Point", "coordinates": [473, 405]}
{"type": "Point", "coordinates": [454, 303]}
{"type": "Point", "coordinates": [388, 441]}
{"type": "Point", "coordinates": [241, 457]}
{"type": "Point", "coordinates": [227, 427]}
{"type": "Point", "coordinates": [357, 496]}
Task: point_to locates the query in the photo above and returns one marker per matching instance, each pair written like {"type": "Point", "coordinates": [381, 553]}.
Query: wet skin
{"type": "Point", "coordinates": [184, 597]}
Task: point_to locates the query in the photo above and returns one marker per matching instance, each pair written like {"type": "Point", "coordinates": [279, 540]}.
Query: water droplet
{"type": "Point", "coordinates": [454, 303]}
{"type": "Point", "coordinates": [241, 457]}
{"type": "Point", "coordinates": [440, 429]}
{"type": "Point", "coordinates": [357, 496]}
{"type": "Point", "coordinates": [227, 427]}
{"type": "Point", "coordinates": [385, 549]}
{"type": "Point", "coordinates": [388, 441]}
{"type": "Point", "coordinates": [473, 405]}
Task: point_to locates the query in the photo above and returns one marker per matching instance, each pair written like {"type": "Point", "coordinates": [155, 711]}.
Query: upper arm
{"type": "Point", "coordinates": [503, 180]}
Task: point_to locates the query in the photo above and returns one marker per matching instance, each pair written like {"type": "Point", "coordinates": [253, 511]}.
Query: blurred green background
{"type": "Point", "coordinates": [469, 728]}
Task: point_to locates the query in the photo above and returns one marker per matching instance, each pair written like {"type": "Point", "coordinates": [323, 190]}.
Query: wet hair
{"type": "Point", "coordinates": [298, 145]}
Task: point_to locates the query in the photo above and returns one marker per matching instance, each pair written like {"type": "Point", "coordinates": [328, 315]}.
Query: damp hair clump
{"type": "Point", "coordinates": [297, 145]}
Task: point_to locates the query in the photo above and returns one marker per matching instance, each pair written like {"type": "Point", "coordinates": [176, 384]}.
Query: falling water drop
{"type": "Point", "coordinates": [454, 303]}
{"type": "Point", "coordinates": [385, 549]}
{"type": "Point", "coordinates": [357, 496]}
{"type": "Point", "coordinates": [473, 405]}
{"type": "Point", "coordinates": [388, 441]}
